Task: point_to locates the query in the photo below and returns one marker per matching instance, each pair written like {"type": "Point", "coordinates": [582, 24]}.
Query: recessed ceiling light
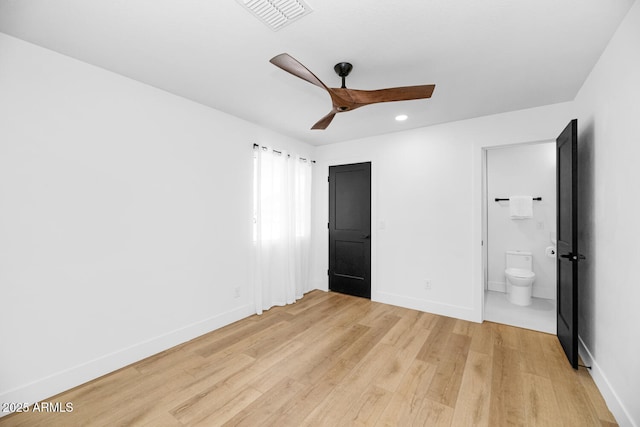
{"type": "Point", "coordinates": [276, 13]}
{"type": "Point", "coordinates": [402, 117]}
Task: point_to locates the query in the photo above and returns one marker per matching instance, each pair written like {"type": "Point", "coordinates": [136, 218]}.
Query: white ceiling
{"type": "Point", "coordinates": [485, 57]}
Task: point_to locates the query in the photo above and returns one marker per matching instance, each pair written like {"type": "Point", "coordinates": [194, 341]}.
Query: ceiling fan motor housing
{"type": "Point", "coordinates": [343, 69]}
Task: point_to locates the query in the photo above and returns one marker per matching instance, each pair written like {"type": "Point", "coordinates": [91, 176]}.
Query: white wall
{"type": "Point", "coordinates": [426, 193]}
{"type": "Point", "coordinates": [125, 220]}
{"type": "Point", "coordinates": [528, 169]}
{"type": "Point", "coordinates": [608, 153]}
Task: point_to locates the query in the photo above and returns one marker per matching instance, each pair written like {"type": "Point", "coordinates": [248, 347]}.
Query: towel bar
{"type": "Point", "coordinates": [506, 200]}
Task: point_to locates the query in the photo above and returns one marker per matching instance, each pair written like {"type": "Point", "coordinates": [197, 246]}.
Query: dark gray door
{"type": "Point", "coordinates": [567, 235]}
{"type": "Point", "coordinates": [350, 229]}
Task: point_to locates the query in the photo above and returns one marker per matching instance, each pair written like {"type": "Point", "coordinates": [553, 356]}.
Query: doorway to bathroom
{"type": "Point", "coordinates": [516, 177]}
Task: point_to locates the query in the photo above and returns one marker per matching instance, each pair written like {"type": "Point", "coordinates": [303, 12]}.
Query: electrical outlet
{"type": "Point", "coordinates": [427, 285]}
{"type": "Point", "coordinates": [236, 292]}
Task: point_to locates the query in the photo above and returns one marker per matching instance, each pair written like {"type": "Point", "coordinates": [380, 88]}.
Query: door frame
{"type": "Point", "coordinates": [480, 224]}
{"type": "Point", "coordinates": [324, 194]}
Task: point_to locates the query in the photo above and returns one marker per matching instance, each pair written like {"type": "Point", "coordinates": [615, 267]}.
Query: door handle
{"type": "Point", "coordinates": [573, 257]}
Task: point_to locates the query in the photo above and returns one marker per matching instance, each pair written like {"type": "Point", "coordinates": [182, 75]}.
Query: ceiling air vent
{"type": "Point", "coordinates": [276, 13]}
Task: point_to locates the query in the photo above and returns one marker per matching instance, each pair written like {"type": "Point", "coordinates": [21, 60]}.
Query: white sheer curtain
{"type": "Point", "coordinates": [282, 217]}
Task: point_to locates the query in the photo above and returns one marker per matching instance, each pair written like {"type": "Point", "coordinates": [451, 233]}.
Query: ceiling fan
{"type": "Point", "coordinates": [344, 99]}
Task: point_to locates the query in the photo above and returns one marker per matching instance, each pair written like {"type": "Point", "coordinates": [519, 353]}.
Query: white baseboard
{"type": "Point", "coordinates": [58, 382]}
{"type": "Point", "coordinates": [459, 312]}
{"type": "Point", "coordinates": [497, 286]}
{"type": "Point", "coordinates": [616, 407]}
{"type": "Point", "coordinates": [321, 285]}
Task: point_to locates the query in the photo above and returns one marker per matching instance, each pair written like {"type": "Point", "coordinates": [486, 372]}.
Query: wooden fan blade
{"type": "Point", "coordinates": [291, 65]}
{"type": "Point", "coordinates": [405, 93]}
{"type": "Point", "coordinates": [324, 122]}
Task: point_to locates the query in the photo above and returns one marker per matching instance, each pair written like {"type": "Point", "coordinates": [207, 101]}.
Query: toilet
{"type": "Point", "coordinates": [520, 276]}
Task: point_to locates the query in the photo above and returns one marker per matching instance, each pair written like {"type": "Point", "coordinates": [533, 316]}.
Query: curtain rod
{"type": "Point", "coordinates": [279, 152]}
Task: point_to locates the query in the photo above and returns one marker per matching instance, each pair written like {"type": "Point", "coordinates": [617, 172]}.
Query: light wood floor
{"type": "Point", "coordinates": [331, 359]}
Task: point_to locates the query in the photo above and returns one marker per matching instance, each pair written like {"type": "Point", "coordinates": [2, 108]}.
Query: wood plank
{"type": "Point", "coordinates": [412, 322]}
{"type": "Point", "coordinates": [221, 342]}
{"type": "Point", "coordinates": [267, 405]}
{"type": "Point", "coordinates": [506, 336]}
{"type": "Point", "coordinates": [433, 349]}
{"type": "Point", "coordinates": [337, 404]}
{"type": "Point", "coordinates": [363, 345]}
{"type": "Point", "coordinates": [480, 333]}
{"type": "Point", "coordinates": [208, 393]}
{"type": "Point", "coordinates": [324, 354]}
{"type": "Point", "coordinates": [366, 409]}
{"type": "Point", "coordinates": [541, 407]}
{"type": "Point", "coordinates": [415, 412]}
{"type": "Point", "coordinates": [253, 371]}
{"type": "Point", "coordinates": [410, 406]}
{"type": "Point", "coordinates": [314, 394]}
{"type": "Point", "coordinates": [507, 406]}
{"type": "Point", "coordinates": [475, 391]}
{"type": "Point", "coordinates": [232, 407]}
{"type": "Point", "coordinates": [446, 384]}
{"type": "Point", "coordinates": [404, 350]}
{"type": "Point", "coordinates": [532, 359]}
{"type": "Point", "coordinates": [333, 359]}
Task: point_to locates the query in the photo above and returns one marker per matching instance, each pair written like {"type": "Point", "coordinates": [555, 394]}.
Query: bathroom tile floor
{"type": "Point", "coordinates": [539, 316]}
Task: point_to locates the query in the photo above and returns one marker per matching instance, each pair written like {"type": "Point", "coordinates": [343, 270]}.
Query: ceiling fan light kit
{"type": "Point", "coordinates": [276, 14]}
{"type": "Point", "coordinates": [344, 99]}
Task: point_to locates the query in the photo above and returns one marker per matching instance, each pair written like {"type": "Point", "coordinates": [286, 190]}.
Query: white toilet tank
{"type": "Point", "coordinates": [519, 259]}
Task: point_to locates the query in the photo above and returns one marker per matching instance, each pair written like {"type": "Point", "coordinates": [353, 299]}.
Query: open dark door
{"type": "Point", "coordinates": [567, 235]}
{"type": "Point", "coordinates": [350, 229]}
